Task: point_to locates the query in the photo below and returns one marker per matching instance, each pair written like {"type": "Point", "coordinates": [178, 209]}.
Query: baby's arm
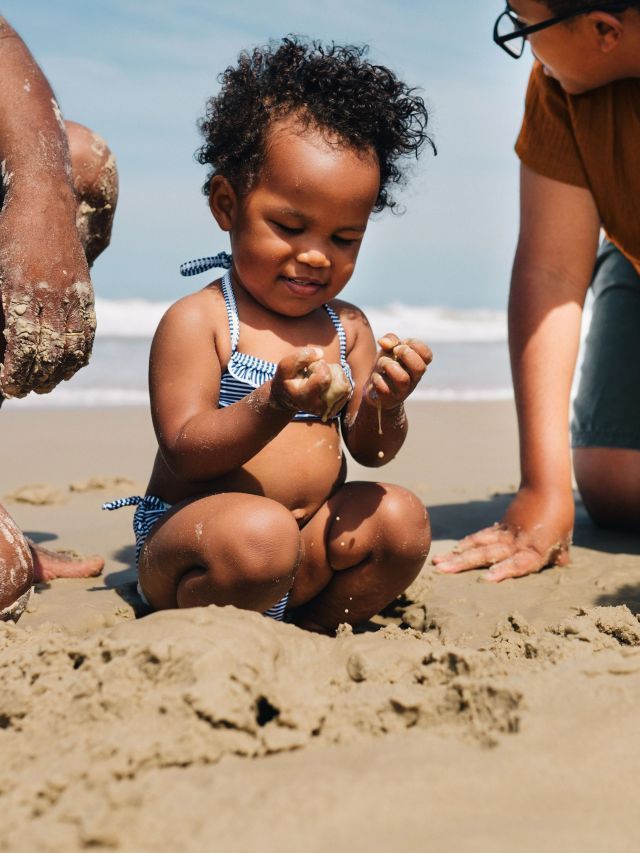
{"type": "Point", "coordinates": [198, 440]}
{"type": "Point", "coordinates": [375, 426]}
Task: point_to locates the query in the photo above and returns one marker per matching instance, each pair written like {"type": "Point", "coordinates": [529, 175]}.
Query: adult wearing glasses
{"type": "Point", "coordinates": [58, 192]}
{"type": "Point", "coordinates": [579, 148]}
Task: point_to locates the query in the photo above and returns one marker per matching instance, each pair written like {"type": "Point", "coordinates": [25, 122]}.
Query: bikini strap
{"type": "Point", "coordinates": [134, 500]}
{"type": "Point", "coordinates": [232, 311]}
{"type": "Point", "coordinates": [222, 260]}
{"type": "Point", "coordinates": [342, 336]}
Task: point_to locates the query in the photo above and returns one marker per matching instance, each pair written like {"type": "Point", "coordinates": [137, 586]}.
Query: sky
{"type": "Point", "coordinates": [140, 71]}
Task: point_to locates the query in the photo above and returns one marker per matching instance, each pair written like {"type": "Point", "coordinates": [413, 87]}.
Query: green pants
{"type": "Point", "coordinates": [607, 408]}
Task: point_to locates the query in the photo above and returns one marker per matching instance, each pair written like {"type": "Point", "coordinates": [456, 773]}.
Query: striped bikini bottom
{"type": "Point", "coordinates": [149, 510]}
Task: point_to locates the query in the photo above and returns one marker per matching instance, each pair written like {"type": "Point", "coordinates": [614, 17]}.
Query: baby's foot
{"type": "Point", "coordinates": [48, 565]}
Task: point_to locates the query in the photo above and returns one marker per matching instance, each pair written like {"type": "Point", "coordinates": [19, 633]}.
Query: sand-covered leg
{"type": "Point", "coordinates": [16, 569]}
{"type": "Point", "coordinates": [362, 549]}
{"type": "Point", "coordinates": [95, 180]}
{"type": "Point", "coordinates": [222, 549]}
{"type": "Point", "coordinates": [49, 565]}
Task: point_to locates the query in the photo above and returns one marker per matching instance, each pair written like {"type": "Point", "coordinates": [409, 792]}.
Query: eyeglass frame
{"type": "Point", "coordinates": [524, 32]}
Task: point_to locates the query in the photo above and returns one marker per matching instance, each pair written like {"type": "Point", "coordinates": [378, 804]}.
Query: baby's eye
{"type": "Point", "coordinates": [345, 241]}
{"type": "Point", "coordinates": [288, 229]}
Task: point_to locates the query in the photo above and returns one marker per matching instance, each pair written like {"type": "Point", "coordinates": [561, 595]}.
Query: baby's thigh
{"type": "Point", "coordinates": [235, 538]}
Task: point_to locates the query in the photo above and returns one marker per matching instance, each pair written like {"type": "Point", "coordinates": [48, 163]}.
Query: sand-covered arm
{"type": "Point", "coordinates": [47, 298]}
{"type": "Point", "coordinates": [375, 424]}
{"type": "Point", "coordinates": [551, 274]}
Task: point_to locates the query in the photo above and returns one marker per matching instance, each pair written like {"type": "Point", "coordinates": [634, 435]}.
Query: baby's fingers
{"type": "Point", "coordinates": [299, 361]}
{"type": "Point", "coordinates": [420, 348]}
{"type": "Point", "coordinates": [388, 342]}
{"type": "Point", "coordinates": [378, 387]}
{"type": "Point", "coordinates": [411, 361]}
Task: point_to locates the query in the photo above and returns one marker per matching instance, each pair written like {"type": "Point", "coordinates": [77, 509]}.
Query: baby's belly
{"type": "Point", "coordinates": [299, 468]}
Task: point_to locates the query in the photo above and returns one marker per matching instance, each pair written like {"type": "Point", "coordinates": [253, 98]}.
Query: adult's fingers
{"type": "Point", "coordinates": [487, 536]}
{"type": "Point", "coordinates": [46, 368]}
{"type": "Point", "coordinates": [21, 333]}
{"type": "Point", "coordinates": [476, 558]}
{"type": "Point", "coordinates": [48, 338]}
{"type": "Point", "coordinates": [80, 329]}
{"type": "Point", "coordinates": [524, 562]}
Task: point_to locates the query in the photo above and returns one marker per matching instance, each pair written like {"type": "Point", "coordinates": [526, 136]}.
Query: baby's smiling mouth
{"type": "Point", "coordinates": [303, 284]}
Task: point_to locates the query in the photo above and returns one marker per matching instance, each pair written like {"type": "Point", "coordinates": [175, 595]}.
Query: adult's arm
{"type": "Point", "coordinates": [47, 298]}
{"type": "Point", "coordinates": [559, 227]}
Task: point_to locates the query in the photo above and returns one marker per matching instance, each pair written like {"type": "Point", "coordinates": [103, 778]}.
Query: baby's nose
{"type": "Point", "coordinates": [314, 258]}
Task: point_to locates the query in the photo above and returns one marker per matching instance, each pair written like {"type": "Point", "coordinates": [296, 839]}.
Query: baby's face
{"type": "Point", "coordinates": [296, 235]}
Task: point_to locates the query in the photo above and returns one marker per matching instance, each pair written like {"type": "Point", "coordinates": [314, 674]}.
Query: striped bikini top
{"type": "Point", "coordinates": [244, 373]}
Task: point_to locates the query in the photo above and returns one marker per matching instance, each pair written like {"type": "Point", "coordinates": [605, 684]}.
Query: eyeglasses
{"type": "Point", "coordinates": [510, 33]}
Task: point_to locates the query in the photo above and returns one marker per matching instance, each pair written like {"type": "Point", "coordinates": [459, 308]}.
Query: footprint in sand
{"type": "Point", "coordinates": [37, 494]}
{"type": "Point", "coordinates": [101, 482]}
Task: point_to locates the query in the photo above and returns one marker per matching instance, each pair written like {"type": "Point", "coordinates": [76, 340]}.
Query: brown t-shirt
{"type": "Point", "coordinates": [592, 141]}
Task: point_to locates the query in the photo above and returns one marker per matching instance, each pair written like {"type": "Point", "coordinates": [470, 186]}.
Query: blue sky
{"type": "Point", "coordinates": [140, 71]}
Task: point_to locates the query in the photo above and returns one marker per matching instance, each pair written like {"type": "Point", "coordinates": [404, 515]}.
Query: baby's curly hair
{"type": "Point", "coordinates": [331, 87]}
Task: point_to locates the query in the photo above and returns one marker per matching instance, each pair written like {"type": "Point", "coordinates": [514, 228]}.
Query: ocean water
{"type": "Point", "coordinates": [470, 354]}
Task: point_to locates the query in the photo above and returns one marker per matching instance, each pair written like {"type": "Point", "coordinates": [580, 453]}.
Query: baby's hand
{"type": "Point", "coordinates": [305, 382]}
{"type": "Point", "coordinates": [398, 368]}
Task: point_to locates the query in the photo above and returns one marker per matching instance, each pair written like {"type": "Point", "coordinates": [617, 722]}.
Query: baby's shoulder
{"type": "Point", "coordinates": [204, 309]}
{"type": "Point", "coordinates": [354, 321]}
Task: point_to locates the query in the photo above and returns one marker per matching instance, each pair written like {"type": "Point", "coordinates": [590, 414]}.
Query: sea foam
{"type": "Point", "coordinates": [138, 318]}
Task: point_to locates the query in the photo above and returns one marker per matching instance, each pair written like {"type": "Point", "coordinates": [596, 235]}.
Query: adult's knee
{"type": "Point", "coordinates": [609, 483]}
{"type": "Point", "coordinates": [16, 563]}
{"type": "Point", "coordinates": [95, 179]}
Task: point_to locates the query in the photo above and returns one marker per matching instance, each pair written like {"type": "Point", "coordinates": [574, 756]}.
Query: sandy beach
{"type": "Point", "coordinates": [471, 717]}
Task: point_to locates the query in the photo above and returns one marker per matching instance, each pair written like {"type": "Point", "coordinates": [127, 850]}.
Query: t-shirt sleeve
{"type": "Point", "coordinates": [546, 143]}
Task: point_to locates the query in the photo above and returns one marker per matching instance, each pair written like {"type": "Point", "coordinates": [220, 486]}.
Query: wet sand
{"type": "Point", "coordinates": [474, 717]}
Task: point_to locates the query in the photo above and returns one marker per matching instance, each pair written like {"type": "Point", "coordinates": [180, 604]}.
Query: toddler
{"type": "Point", "coordinates": [255, 377]}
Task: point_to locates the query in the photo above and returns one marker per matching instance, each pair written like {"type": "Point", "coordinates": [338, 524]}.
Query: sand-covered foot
{"type": "Point", "coordinates": [49, 565]}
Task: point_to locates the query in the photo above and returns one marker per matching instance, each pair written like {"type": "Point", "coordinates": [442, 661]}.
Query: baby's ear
{"type": "Point", "coordinates": [222, 202]}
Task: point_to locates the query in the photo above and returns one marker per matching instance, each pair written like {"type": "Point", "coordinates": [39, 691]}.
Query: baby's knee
{"type": "Point", "coordinates": [405, 524]}
{"type": "Point", "coordinates": [268, 544]}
